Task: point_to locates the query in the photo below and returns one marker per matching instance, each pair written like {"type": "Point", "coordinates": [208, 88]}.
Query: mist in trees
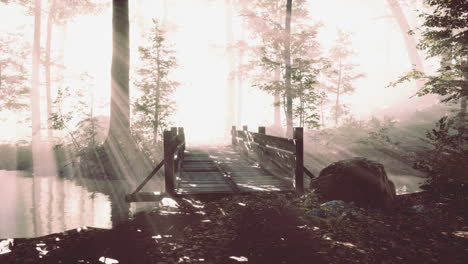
{"type": "Point", "coordinates": [279, 64]}
{"type": "Point", "coordinates": [341, 74]}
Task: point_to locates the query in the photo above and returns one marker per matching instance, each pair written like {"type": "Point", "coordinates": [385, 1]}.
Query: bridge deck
{"type": "Point", "coordinates": [223, 170]}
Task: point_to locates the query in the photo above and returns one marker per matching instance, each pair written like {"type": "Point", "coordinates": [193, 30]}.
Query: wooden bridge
{"type": "Point", "coordinates": [253, 162]}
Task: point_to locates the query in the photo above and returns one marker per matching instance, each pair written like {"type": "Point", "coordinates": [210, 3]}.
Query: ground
{"type": "Point", "coordinates": [265, 228]}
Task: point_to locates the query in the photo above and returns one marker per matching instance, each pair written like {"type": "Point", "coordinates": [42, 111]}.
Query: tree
{"type": "Point", "coordinates": [61, 12]}
{"type": "Point", "coordinates": [155, 104]}
{"type": "Point", "coordinates": [118, 143]}
{"type": "Point", "coordinates": [444, 35]}
{"type": "Point", "coordinates": [35, 93]}
{"type": "Point", "coordinates": [306, 93]}
{"type": "Point", "coordinates": [269, 53]}
{"type": "Point", "coordinates": [410, 41]}
{"type": "Point", "coordinates": [341, 74]}
{"type": "Point", "coordinates": [47, 67]}
{"type": "Point", "coordinates": [231, 89]}
{"type": "Point", "coordinates": [13, 73]}
{"type": "Point", "coordinates": [287, 63]}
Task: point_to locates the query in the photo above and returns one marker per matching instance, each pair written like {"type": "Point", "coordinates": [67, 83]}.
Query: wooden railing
{"type": "Point", "coordinates": [174, 147]}
{"type": "Point", "coordinates": [286, 153]}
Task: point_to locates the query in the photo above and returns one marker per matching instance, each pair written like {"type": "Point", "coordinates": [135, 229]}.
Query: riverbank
{"type": "Point", "coordinates": [265, 228]}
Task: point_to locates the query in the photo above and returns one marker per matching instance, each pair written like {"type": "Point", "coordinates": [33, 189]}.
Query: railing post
{"type": "Point", "coordinates": [234, 135]}
{"type": "Point", "coordinates": [262, 130]}
{"type": "Point", "coordinates": [299, 170]}
{"type": "Point", "coordinates": [245, 128]}
{"type": "Point", "coordinates": [169, 162]}
{"type": "Point", "coordinates": [181, 133]}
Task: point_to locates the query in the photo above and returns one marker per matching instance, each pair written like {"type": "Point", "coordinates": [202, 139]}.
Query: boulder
{"type": "Point", "coordinates": [356, 180]}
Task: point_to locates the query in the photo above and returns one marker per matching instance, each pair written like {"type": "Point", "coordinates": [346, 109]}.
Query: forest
{"type": "Point", "coordinates": [226, 131]}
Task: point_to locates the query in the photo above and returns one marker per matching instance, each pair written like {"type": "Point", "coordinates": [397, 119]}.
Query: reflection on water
{"type": "Point", "coordinates": [406, 183]}
{"type": "Point", "coordinates": [63, 204]}
{"type": "Point", "coordinates": [59, 204]}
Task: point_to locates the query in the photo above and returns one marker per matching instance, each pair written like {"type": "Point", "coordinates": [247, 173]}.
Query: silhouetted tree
{"type": "Point", "coordinates": [287, 74]}
{"type": "Point", "coordinates": [341, 74]}
{"type": "Point", "coordinates": [118, 142]}
{"type": "Point", "coordinates": [155, 104]}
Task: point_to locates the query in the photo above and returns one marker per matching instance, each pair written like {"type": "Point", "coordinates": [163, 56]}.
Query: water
{"type": "Point", "coordinates": [64, 204]}
{"type": "Point", "coordinates": [60, 204]}
{"type": "Point", "coordinates": [406, 183]}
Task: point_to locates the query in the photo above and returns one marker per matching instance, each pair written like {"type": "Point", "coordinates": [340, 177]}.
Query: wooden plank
{"type": "Point", "coordinates": [203, 193]}
{"type": "Point", "coordinates": [284, 159]}
{"type": "Point", "coordinates": [241, 134]}
{"type": "Point", "coordinates": [200, 180]}
{"type": "Point", "coordinates": [309, 173]}
{"type": "Point", "coordinates": [262, 188]}
{"type": "Point", "coordinates": [275, 142]}
{"type": "Point", "coordinates": [201, 175]}
{"type": "Point", "coordinates": [203, 190]}
{"type": "Point", "coordinates": [202, 185]}
{"type": "Point", "coordinates": [144, 197]}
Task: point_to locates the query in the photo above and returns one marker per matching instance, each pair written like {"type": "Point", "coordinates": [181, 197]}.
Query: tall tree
{"type": "Point", "coordinates": [287, 75]}
{"type": "Point", "coordinates": [61, 12]}
{"type": "Point", "coordinates": [266, 22]}
{"type": "Point", "coordinates": [118, 142]}
{"type": "Point", "coordinates": [47, 68]}
{"type": "Point", "coordinates": [154, 106]}
{"type": "Point", "coordinates": [342, 73]}
{"type": "Point", "coordinates": [120, 106]}
{"type": "Point", "coordinates": [410, 41]}
{"type": "Point", "coordinates": [231, 88]}
{"type": "Point", "coordinates": [444, 35]}
{"type": "Point", "coordinates": [35, 89]}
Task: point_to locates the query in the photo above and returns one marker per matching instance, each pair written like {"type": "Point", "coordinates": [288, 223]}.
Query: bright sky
{"type": "Point", "coordinates": [199, 39]}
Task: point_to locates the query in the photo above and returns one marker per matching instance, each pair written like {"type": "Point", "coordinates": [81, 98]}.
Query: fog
{"type": "Point", "coordinates": [203, 66]}
{"type": "Point", "coordinates": [197, 33]}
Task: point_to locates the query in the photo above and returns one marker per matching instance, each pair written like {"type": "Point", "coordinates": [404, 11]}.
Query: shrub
{"type": "Point", "coordinates": [446, 161]}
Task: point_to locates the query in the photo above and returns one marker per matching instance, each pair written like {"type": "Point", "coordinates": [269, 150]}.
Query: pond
{"type": "Point", "coordinates": [406, 183]}
{"type": "Point", "coordinates": [36, 207]}
{"type": "Point", "coordinates": [63, 204]}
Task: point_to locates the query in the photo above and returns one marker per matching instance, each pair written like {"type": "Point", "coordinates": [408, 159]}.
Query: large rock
{"type": "Point", "coordinates": [356, 180]}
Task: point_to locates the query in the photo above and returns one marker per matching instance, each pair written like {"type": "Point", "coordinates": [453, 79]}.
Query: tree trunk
{"type": "Point", "coordinates": [118, 142]}
{"type": "Point", "coordinates": [157, 95]}
{"type": "Point", "coordinates": [120, 107]}
{"type": "Point", "coordinates": [50, 22]}
{"type": "Point", "coordinates": [125, 160]}
{"type": "Point", "coordinates": [287, 62]}
{"type": "Point", "coordinates": [36, 116]}
{"type": "Point", "coordinates": [240, 81]}
{"type": "Point", "coordinates": [277, 109]}
{"type": "Point", "coordinates": [231, 89]}
{"type": "Point", "coordinates": [410, 41]}
{"type": "Point", "coordinates": [338, 86]}
{"type": "Point", "coordinates": [35, 91]}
